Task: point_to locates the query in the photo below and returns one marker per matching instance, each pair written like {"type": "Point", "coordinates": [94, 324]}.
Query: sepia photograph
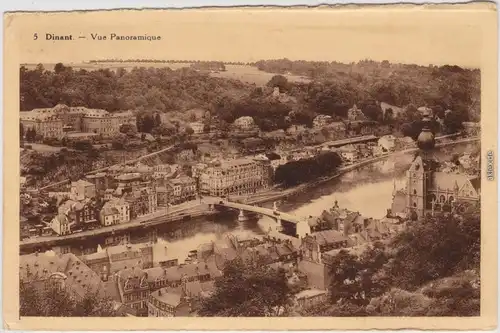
{"type": "Point", "coordinates": [155, 185]}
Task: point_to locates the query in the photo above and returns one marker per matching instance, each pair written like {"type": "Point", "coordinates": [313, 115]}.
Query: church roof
{"type": "Point", "coordinates": [448, 181]}
{"type": "Point", "coordinates": [476, 183]}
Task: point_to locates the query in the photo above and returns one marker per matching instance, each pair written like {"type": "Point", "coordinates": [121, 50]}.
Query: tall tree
{"type": "Point", "coordinates": [248, 289]}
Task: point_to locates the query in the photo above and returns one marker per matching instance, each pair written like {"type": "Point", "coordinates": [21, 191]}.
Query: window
{"type": "Point", "coordinates": [414, 204]}
{"type": "Point", "coordinates": [415, 192]}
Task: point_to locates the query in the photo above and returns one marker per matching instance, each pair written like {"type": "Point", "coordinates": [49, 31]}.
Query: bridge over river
{"type": "Point", "coordinates": [300, 224]}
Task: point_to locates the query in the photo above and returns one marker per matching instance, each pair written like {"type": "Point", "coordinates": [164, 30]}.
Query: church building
{"type": "Point", "coordinates": [430, 190]}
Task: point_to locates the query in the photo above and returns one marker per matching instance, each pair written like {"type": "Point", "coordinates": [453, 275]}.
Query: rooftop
{"type": "Point", "coordinates": [168, 297]}
{"type": "Point", "coordinates": [310, 293]}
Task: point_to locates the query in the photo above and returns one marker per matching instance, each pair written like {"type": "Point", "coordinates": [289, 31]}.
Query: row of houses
{"type": "Point", "coordinates": [106, 199]}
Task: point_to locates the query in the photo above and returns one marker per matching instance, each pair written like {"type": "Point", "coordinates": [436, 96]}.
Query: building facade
{"type": "Point", "coordinates": [53, 122]}
{"type": "Point", "coordinates": [428, 189]}
{"type": "Point", "coordinates": [238, 177]}
{"type": "Point", "coordinates": [81, 190]}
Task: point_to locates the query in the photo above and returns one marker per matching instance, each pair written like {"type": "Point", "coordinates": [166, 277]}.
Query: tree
{"type": "Point", "coordinates": [345, 285]}
{"type": "Point", "coordinates": [157, 120]}
{"type": "Point", "coordinates": [147, 124]}
{"type": "Point", "coordinates": [59, 68]}
{"type": "Point", "coordinates": [189, 131]}
{"type": "Point", "coordinates": [388, 115]}
{"type": "Point", "coordinates": [21, 132]}
{"type": "Point", "coordinates": [279, 81]}
{"type": "Point", "coordinates": [31, 134]}
{"type": "Point", "coordinates": [453, 122]}
{"type": "Point", "coordinates": [128, 129]}
{"type": "Point", "coordinates": [372, 111]}
{"type": "Point", "coordinates": [56, 302]}
{"type": "Point", "coordinates": [248, 289]}
{"type": "Point", "coordinates": [435, 247]}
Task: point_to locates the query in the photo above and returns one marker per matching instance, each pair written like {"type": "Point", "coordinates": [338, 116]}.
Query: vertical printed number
{"type": "Point", "coordinates": [35, 36]}
{"type": "Point", "coordinates": [490, 167]}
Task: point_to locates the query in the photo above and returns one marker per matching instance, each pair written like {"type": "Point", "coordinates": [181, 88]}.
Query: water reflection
{"type": "Point", "coordinates": [367, 190]}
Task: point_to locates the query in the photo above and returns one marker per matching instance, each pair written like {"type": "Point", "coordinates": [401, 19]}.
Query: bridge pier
{"type": "Point", "coordinates": [242, 216]}
{"type": "Point", "coordinates": [275, 206]}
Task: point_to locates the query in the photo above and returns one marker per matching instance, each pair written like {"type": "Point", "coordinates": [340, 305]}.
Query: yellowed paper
{"type": "Point", "coordinates": [123, 41]}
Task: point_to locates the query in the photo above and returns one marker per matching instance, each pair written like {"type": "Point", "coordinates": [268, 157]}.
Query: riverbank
{"type": "Point", "coordinates": [197, 208]}
{"type": "Point", "coordinates": [285, 193]}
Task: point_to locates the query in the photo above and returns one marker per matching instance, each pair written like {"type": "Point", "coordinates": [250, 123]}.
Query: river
{"type": "Point", "coordinates": [367, 190]}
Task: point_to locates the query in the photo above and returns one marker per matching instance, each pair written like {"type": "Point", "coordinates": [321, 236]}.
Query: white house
{"type": "Point", "coordinates": [387, 143]}
{"type": "Point", "coordinates": [109, 215]}
{"type": "Point", "coordinates": [322, 120]}
{"type": "Point", "coordinates": [349, 153]}
{"type": "Point", "coordinates": [197, 127]}
{"type": "Point", "coordinates": [244, 123]}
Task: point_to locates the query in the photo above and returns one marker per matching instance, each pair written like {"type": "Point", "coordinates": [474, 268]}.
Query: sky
{"type": "Point", "coordinates": [413, 35]}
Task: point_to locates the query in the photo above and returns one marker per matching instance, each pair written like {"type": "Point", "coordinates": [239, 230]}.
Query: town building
{"type": "Point", "coordinates": [100, 181]}
{"type": "Point", "coordinates": [54, 122]}
{"type": "Point", "coordinates": [428, 189]}
{"type": "Point", "coordinates": [81, 190]}
{"type": "Point", "coordinates": [197, 169]}
{"type": "Point", "coordinates": [244, 123]}
{"type": "Point", "coordinates": [64, 271]}
{"type": "Point", "coordinates": [197, 127]}
{"type": "Point", "coordinates": [142, 201]}
{"type": "Point", "coordinates": [123, 208]}
{"type": "Point", "coordinates": [322, 121]}
{"type": "Point", "coordinates": [61, 224]}
{"type": "Point", "coordinates": [184, 189]}
{"type": "Point", "coordinates": [100, 122]}
{"type": "Point", "coordinates": [129, 181]}
{"type": "Point", "coordinates": [109, 215]}
{"type": "Point", "coordinates": [387, 143]}
{"type": "Point", "coordinates": [349, 153]}
{"type": "Point", "coordinates": [322, 241]}
{"type": "Point", "coordinates": [238, 176]}
{"type": "Point", "coordinates": [45, 123]}
{"type": "Point", "coordinates": [355, 113]}
{"type": "Point", "coordinates": [165, 195]}
{"type": "Point", "coordinates": [80, 212]}
{"type": "Point", "coordinates": [133, 289]}
{"type": "Point", "coordinates": [136, 284]}
{"type": "Point", "coordinates": [165, 303]}
{"type": "Point", "coordinates": [119, 257]}
{"type": "Point", "coordinates": [310, 297]}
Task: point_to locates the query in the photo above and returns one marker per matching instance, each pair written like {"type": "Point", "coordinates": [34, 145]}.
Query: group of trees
{"type": "Point", "coordinates": [28, 134]}
{"type": "Point", "coordinates": [447, 87]}
{"type": "Point", "coordinates": [429, 269]}
{"type": "Point", "coordinates": [435, 250]}
{"type": "Point", "coordinates": [56, 302]}
{"type": "Point", "coordinates": [248, 289]}
{"type": "Point", "coordinates": [334, 89]}
{"type": "Point", "coordinates": [209, 65]}
{"type": "Point", "coordinates": [144, 89]}
{"type": "Point", "coordinates": [304, 170]}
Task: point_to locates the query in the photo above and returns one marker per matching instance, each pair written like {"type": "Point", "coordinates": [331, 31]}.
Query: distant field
{"type": "Point", "coordinates": [244, 73]}
{"type": "Point", "coordinates": [111, 65]}
{"type": "Point", "coordinates": [251, 74]}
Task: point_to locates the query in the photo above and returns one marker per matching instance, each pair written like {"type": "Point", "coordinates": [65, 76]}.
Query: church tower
{"type": "Point", "coordinates": [419, 175]}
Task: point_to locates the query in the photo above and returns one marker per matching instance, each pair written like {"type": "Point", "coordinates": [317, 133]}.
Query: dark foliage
{"type": "Point", "coordinates": [296, 172]}
{"type": "Point", "coordinates": [54, 302]}
{"type": "Point", "coordinates": [248, 289]}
